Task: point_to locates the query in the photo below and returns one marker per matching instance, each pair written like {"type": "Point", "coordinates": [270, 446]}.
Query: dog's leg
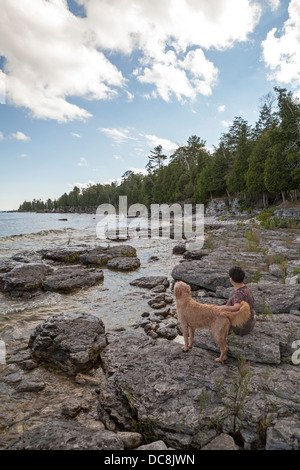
{"type": "Point", "coordinates": [220, 331]}
{"type": "Point", "coordinates": [185, 331]}
{"type": "Point", "coordinates": [191, 336]}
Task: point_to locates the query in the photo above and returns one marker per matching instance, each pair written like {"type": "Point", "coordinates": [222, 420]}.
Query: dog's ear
{"type": "Point", "coordinates": [181, 289]}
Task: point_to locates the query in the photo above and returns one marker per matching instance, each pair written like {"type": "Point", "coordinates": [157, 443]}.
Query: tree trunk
{"type": "Point", "coordinates": [228, 195]}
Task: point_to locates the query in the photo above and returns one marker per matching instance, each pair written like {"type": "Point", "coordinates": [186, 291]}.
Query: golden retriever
{"type": "Point", "coordinates": [193, 315]}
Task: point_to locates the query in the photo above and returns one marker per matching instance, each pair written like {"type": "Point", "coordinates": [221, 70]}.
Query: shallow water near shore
{"type": "Point", "coordinates": [116, 302]}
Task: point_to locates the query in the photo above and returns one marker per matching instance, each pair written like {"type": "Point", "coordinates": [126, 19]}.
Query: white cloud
{"type": "Point", "coordinates": [52, 55]}
{"type": "Point", "coordinates": [163, 30]}
{"type": "Point", "coordinates": [116, 157]}
{"type": "Point", "coordinates": [49, 57]}
{"type": "Point", "coordinates": [82, 162]}
{"type": "Point", "coordinates": [20, 136]}
{"type": "Point", "coordinates": [154, 141]}
{"type": "Point", "coordinates": [2, 88]}
{"type": "Point", "coordinates": [74, 134]}
{"type": "Point", "coordinates": [117, 181]}
{"type": "Point", "coordinates": [1, 136]}
{"type": "Point", "coordinates": [82, 185]}
{"type": "Point", "coordinates": [274, 4]}
{"type": "Point", "coordinates": [118, 135]}
{"type": "Point", "coordinates": [23, 155]}
{"type": "Point", "coordinates": [226, 123]}
{"type": "Point", "coordinates": [221, 108]}
{"type": "Point", "coordinates": [281, 53]}
{"type": "Point", "coordinates": [139, 170]}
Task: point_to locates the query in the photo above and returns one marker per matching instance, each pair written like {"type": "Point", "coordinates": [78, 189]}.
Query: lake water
{"type": "Point", "coordinates": [115, 301]}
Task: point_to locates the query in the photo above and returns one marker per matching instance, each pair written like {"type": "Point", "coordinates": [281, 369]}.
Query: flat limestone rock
{"type": "Point", "coordinates": [183, 396]}
{"type": "Point", "coordinates": [25, 278]}
{"type": "Point", "coordinates": [69, 278]}
{"type": "Point", "coordinates": [200, 274]}
{"type": "Point", "coordinates": [150, 281]}
{"type": "Point", "coordinates": [121, 263]}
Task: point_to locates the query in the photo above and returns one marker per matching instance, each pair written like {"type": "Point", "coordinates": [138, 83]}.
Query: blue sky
{"type": "Point", "coordinates": [89, 87]}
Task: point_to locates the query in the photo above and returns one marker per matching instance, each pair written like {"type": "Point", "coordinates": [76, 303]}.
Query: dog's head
{"type": "Point", "coordinates": [182, 290]}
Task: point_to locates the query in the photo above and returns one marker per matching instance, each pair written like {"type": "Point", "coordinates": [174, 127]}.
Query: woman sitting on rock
{"type": "Point", "coordinates": [241, 292]}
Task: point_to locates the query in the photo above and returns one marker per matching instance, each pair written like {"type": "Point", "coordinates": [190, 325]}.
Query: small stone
{"type": "Point", "coordinates": [157, 445]}
{"type": "Point", "coordinates": [221, 442]}
{"type": "Point", "coordinates": [131, 440]}
{"type": "Point", "coordinates": [29, 385]}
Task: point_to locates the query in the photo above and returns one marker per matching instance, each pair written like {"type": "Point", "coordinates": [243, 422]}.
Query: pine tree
{"type": "Point", "coordinates": [156, 159]}
{"type": "Point", "coordinates": [257, 162]}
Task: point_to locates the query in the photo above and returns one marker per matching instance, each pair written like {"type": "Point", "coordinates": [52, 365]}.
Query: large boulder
{"type": "Point", "coordinates": [66, 435]}
{"type": "Point", "coordinates": [71, 341]}
{"type": "Point", "coordinates": [69, 278]}
{"type": "Point", "coordinates": [201, 274]}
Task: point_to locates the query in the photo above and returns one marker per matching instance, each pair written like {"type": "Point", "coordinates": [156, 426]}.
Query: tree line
{"type": "Point", "coordinates": [259, 164]}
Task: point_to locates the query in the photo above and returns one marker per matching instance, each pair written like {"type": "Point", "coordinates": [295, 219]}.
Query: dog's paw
{"type": "Point", "coordinates": [220, 359]}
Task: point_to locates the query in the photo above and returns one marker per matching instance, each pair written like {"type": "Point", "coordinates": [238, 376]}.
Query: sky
{"type": "Point", "coordinates": [89, 87]}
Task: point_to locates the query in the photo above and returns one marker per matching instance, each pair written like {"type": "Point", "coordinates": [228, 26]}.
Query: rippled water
{"type": "Point", "coordinates": [115, 301]}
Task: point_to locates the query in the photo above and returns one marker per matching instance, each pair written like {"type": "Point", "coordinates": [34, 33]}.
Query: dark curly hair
{"type": "Point", "coordinates": [237, 274]}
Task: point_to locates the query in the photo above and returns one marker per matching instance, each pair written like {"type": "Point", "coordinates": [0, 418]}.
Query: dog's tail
{"type": "Point", "coordinates": [240, 317]}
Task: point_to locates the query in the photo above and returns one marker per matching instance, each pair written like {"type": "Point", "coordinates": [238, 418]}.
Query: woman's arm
{"type": "Point", "coordinates": [231, 308]}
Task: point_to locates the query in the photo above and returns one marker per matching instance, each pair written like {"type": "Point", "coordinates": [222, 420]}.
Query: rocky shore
{"type": "Point", "coordinates": [68, 383]}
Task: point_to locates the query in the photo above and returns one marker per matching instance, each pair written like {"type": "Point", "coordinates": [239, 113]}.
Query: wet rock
{"type": "Point", "coordinates": [124, 263]}
{"type": "Point", "coordinates": [158, 289]}
{"type": "Point", "coordinates": [122, 250]}
{"type": "Point", "coordinates": [153, 258]}
{"type": "Point", "coordinates": [24, 279]}
{"type": "Point", "coordinates": [71, 341]}
{"type": "Point", "coordinates": [69, 278]}
{"type": "Point", "coordinates": [98, 257]}
{"type": "Point", "coordinates": [179, 249]}
{"type": "Point", "coordinates": [7, 265]}
{"type": "Point", "coordinates": [67, 435]}
{"type": "Point", "coordinates": [64, 254]}
{"type": "Point", "coordinates": [150, 282]}
{"type": "Point", "coordinates": [27, 257]}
